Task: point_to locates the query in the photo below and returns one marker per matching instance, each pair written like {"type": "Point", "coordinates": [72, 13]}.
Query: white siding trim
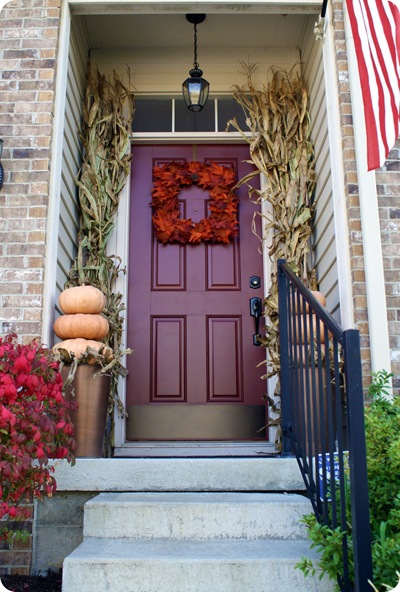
{"type": "Point", "coordinates": [55, 176]}
{"type": "Point", "coordinates": [337, 177]}
{"type": "Point", "coordinates": [371, 236]}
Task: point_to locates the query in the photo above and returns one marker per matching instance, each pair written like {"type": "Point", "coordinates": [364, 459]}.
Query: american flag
{"type": "Point", "coordinates": [375, 26]}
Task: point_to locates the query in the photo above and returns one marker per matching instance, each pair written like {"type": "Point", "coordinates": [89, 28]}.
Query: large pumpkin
{"type": "Point", "coordinates": [88, 326]}
{"type": "Point", "coordinates": [78, 346]}
{"type": "Point", "coordinates": [82, 299]}
{"type": "Point", "coordinates": [316, 321]}
{"type": "Point", "coordinates": [300, 335]}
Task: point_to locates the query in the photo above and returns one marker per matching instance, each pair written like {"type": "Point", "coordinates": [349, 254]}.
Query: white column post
{"type": "Point", "coordinates": [371, 235]}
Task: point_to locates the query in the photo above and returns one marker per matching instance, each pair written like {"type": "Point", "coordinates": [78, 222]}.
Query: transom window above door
{"type": "Point", "coordinates": [161, 114]}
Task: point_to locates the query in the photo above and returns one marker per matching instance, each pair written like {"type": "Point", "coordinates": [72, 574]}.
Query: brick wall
{"type": "Point", "coordinates": [28, 51]}
{"type": "Point", "coordinates": [388, 186]}
{"type": "Point", "coordinates": [16, 555]}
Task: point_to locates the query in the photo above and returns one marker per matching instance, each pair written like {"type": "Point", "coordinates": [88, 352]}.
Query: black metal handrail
{"type": "Point", "coordinates": [323, 420]}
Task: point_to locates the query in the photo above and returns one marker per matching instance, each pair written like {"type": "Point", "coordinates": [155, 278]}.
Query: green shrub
{"type": "Point", "coordinates": [382, 429]}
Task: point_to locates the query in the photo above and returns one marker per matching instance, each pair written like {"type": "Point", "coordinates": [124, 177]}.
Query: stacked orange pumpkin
{"type": "Point", "coordinates": [322, 300]}
{"type": "Point", "coordinates": [82, 325]}
{"type": "Point", "coordinates": [320, 297]}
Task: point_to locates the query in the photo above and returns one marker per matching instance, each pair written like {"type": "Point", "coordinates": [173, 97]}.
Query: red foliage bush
{"type": "Point", "coordinates": [34, 425]}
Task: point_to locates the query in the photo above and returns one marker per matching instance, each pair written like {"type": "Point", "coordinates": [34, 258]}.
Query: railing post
{"type": "Point", "coordinates": [357, 461]}
{"type": "Point", "coordinates": [284, 359]}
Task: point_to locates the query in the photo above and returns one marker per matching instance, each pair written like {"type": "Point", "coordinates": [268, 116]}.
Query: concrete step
{"type": "Point", "coordinates": [126, 565]}
{"type": "Point", "coordinates": [179, 474]}
{"type": "Point", "coordinates": [196, 515]}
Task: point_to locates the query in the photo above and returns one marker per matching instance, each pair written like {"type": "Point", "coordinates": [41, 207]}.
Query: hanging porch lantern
{"type": "Point", "coordinates": [195, 88]}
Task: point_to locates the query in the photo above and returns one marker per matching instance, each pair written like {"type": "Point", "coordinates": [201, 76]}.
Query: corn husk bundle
{"type": "Point", "coordinates": [282, 151]}
{"type": "Point", "coordinates": [108, 109]}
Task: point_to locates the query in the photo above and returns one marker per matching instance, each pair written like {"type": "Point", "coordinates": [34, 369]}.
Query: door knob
{"type": "Point", "coordinates": [256, 312]}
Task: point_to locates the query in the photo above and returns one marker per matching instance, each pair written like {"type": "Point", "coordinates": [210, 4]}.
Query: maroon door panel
{"type": "Point", "coordinates": [188, 315]}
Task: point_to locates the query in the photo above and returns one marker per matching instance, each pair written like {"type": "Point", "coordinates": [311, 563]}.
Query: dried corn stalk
{"type": "Point", "coordinates": [108, 109]}
{"type": "Point", "coordinates": [281, 150]}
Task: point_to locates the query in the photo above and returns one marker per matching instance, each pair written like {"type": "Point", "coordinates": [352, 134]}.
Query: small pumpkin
{"type": "Point", "coordinates": [303, 355]}
{"type": "Point", "coordinates": [79, 345]}
{"type": "Point", "coordinates": [318, 295]}
{"type": "Point", "coordinates": [82, 299]}
{"type": "Point", "coordinates": [88, 326]}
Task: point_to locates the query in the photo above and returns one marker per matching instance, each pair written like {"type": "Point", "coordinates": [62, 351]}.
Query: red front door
{"type": "Point", "coordinates": [193, 374]}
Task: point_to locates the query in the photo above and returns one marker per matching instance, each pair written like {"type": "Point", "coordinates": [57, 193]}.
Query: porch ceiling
{"type": "Point", "coordinates": [117, 31]}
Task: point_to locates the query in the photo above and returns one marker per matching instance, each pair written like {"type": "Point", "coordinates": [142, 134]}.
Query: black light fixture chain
{"type": "Point", "coordinates": [195, 64]}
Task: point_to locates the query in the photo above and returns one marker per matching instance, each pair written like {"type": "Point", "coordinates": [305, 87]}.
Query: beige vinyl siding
{"type": "Point", "coordinates": [324, 245]}
{"type": "Point", "coordinates": [69, 209]}
{"type": "Point", "coordinates": [153, 72]}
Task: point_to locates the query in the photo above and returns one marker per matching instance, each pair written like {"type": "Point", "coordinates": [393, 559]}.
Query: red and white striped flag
{"type": "Point", "coordinates": [375, 25]}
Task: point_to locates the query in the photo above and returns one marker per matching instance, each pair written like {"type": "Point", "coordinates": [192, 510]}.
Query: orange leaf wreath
{"type": "Point", "coordinates": [221, 226]}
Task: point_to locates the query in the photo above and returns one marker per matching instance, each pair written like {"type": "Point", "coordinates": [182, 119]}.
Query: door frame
{"type": "Point", "coordinates": [119, 243]}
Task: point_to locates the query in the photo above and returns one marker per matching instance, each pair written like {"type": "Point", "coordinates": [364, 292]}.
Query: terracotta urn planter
{"type": "Point", "coordinates": [89, 419]}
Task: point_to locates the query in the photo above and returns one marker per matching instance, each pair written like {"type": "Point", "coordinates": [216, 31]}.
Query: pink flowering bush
{"type": "Point", "coordinates": [34, 425]}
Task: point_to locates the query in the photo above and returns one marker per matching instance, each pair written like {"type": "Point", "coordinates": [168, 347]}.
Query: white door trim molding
{"type": "Point", "coordinates": [119, 243]}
